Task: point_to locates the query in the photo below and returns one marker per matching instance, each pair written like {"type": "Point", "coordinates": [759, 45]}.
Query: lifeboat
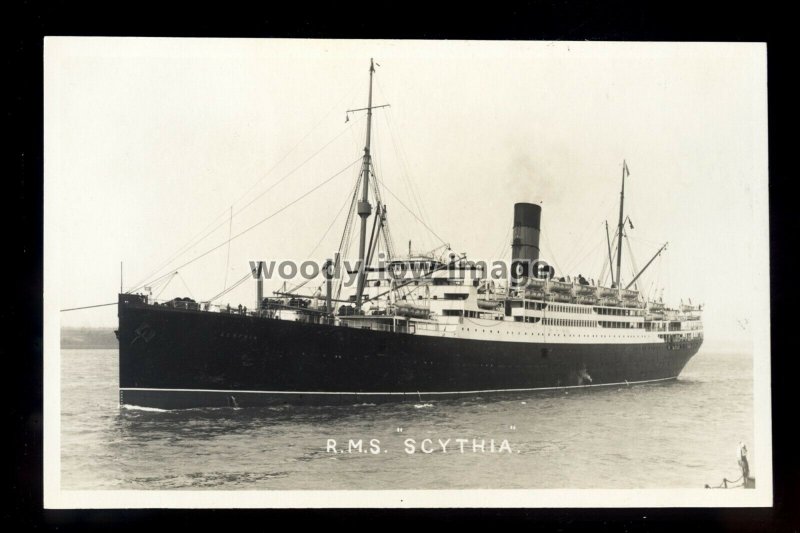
{"type": "Point", "coordinates": [628, 294]}
{"type": "Point", "coordinates": [489, 305]}
{"type": "Point", "coordinates": [535, 283]}
{"type": "Point", "coordinates": [584, 289]}
{"type": "Point", "coordinates": [606, 291]}
{"type": "Point", "coordinates": [411, 311]}
{"type": "Point", "coordinates": [560, 286]}
{"type": "Point", "coordinates": [534, 294]}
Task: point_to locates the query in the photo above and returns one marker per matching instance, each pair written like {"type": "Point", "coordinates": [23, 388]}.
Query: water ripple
{"type": "Point", "coordinates": [675, 434]}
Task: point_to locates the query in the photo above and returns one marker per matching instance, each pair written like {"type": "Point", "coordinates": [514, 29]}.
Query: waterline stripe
{"type": "Point", "coordinates": [415, 393]}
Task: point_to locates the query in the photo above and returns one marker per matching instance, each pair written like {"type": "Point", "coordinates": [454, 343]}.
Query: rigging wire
{"type": "Point", "coordinates": [193, 241]}
{"type": "Point", "coordinates": [600, 278]}
{"type": "Point", "coordinates": [376, 161]}
{"type": "Point", "coordinates": [295, 169]}
{"type": "Point", "coordinates": [577, 257]}
{"type": "Point", "coordinates": [231, 288]}
{"type": "Point", "coordinates": [172, 276]}
{"type": "Point", "coordinates": [502, 245]}
{"type": "Point", "coordinates": [87, 307]}
{"type": "Point", "coordinates": [236, 236]}
{"type": "Point", "coordinates": [337, 105]}
{"type": "Point", "coordinates": [655, 279]}
{"type": "Point", "coordinates": [344, 243]}
{"type": "Point", "coordinates": [335, 218]}
{"type": "Point", "coordinates": [405, 175]}
{"type": "Point", "coordinates": [658, 271]}
{"type": "Point", "coordinates": [606, 264]}
{"type": "Point", "coordinates": [550, 248]}
{"type": "Point", "coordinates": [384, 228]}
{"type": "Point", "coordinates": [383, 184]}
{"type": "Point", "coordinates": [228, 258]}
{"type": "Point", "coordinates": [185, 285]}
{"type": "Point", "coordinates": [199, 237]}
{"type": "Point", "coordinates": [397, 139]}
{"type": "Point", "coordinates": [606, 270]}
{"type": "Point", "coordinates": [635, 269]}
{"type": "Point", "coordinates": [197, 241]}
{"type": "Point", "coordinates": [403, 164]}
{"type": "Point", "coordinates": [152, 287]}
{"type": "Point", "coordinates": [668, 281]}
{"type": "Point", "coordinates": [585, 238]}
{"type": "Point", "coordinates": [576, 265]}
{"type": "Point", "coordinates": [638, 240]}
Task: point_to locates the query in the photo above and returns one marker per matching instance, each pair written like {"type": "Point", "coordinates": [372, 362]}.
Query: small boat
{"type": "Point", "coordinates": [489, 305]}
{"type": "Point", "coordinates": [413, 311]}
{"type": "Point", "coordinates": [560, 286]}
{"type": "Point", "coordinates": [584, 289]}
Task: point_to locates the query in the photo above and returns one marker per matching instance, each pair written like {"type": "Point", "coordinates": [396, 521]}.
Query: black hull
{"type": "Point", "coordinates": [176, 358]}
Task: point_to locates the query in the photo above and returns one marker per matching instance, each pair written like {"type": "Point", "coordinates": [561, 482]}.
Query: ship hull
{"type": "Point", "coordinates": [176, 358]}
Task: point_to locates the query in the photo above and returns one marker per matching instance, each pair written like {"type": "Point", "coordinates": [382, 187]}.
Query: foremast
{"type": "Point", "coordinates": [364, 207]}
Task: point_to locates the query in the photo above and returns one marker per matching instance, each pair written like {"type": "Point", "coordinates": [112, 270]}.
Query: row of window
{"type": "Point", "coordinates": [469, 314]}
{"type": "Point", "coordinates": [563, 322]}
{"type": "Point", "coordinates": [569, 322]}
{"type": "Point", "coordinates": [536, 306]}
{"type": "Point", "coordinates": [623, 325]}
{"type": "Point", "coordinates": [540, 333]}
{"type": "Point", "coordinates": [558, 308]}
{"type": "Point", "coordinates": [679, 336]}
{"type": "Point", "coordinates": [618, 312]}
{"type": "Point", "coordinates": [476, 314]}
{"type": "Point", "coordinates": [531, 319]}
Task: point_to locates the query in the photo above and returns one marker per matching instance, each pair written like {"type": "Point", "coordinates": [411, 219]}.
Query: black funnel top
{"type": "Point", "coordinates": [527, 215]}
{"type": "Point", "coordinates": [525, 243]}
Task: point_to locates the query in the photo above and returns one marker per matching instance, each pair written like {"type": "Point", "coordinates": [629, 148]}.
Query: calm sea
{"type": "Point", "coordinates": [677, 434]}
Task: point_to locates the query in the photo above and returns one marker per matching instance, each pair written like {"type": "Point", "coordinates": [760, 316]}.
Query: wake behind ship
{"type": "Point", "coordinates": [437, 332]}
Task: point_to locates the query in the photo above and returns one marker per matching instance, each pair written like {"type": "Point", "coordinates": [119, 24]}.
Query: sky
{"type": "Point", "coordinates": [151, 143]}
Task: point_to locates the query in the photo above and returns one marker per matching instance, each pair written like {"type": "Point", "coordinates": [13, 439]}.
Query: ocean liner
{"type": "Point", "coordinates": [437, 331]}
